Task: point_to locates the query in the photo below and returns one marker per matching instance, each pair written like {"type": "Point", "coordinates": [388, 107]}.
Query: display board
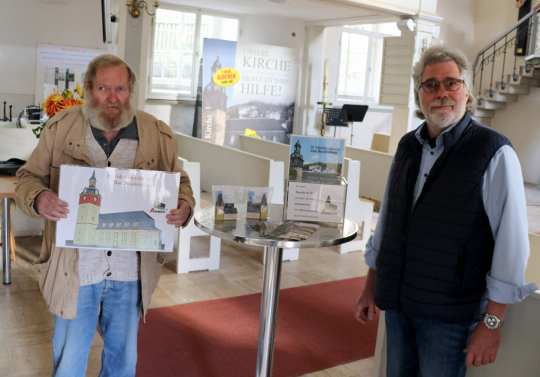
{"type": "Point", "coordinates": [117, 209]}
{"type": "Point", "coordinates": [61, 67]}
{"type": "Point", "coordinates": [315, 190]}
{"type": "Point", "coordinates": [247, 86]}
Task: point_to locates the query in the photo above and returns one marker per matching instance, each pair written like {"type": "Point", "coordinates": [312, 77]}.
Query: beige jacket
{"type": "Point", "coordinates": [63, 142]}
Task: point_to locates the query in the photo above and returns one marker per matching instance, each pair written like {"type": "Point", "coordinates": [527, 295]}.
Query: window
{"type": "Point", "coordinates": [95, 199]}
{"type": "Point", "coordinates": [133, 239]}
{"type": "Point", "coordinates": [126, 224]}
{"type": "Point", "coordinates": [104, 225]}
{"type": "Point", "coordinates": [360, 61]}
{"type": "Point", "coordinates": [124, 238]}
{"type": "Point", "coordinates": [108, 237]}
{"type": "Point", "coordinates": [118, 224]}
{"type": "Point", "coordinates": [111, 224]}
{"type": "Point", "coordinates": [177, 46]}
{"type": "Point", "coordinates": [101, 238]}
{"type": "Point", "coordinates": [135, 224]}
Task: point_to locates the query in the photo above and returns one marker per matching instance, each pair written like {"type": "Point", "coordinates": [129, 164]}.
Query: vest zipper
{"type": "Point", "coordinates": [407, 223]}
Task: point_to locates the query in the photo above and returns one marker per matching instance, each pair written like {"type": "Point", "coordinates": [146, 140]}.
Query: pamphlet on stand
{"type": "Point", "coordinates": [117, 209]}
{"type": "Point", "coordinates": [316, 190]}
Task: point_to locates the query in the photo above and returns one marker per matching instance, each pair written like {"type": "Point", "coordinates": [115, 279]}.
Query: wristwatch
{"type": "Point", "coordinates": [491, 321]}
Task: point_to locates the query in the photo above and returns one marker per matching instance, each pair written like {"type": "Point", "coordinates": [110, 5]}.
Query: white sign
{"type": "Point", "coordinates": [316, 202]}
{"type": "Point", "coordinates": [117, 209]}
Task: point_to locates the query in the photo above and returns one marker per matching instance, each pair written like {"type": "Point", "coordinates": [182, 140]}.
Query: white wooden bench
{"type": "Point", "coordinates": [184, 263]}
{"type": "Point", "coordinates": [356, 209]}
{"type": "Point", "coordinates": [374, 172]}
{"type": "Point", "coordinates": [227, 166]}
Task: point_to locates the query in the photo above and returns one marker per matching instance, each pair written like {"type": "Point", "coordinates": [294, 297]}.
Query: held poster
{"type": "Point", "coordinates": [117, 209]}
{"type": "Point", "coordinates": [247, 86]}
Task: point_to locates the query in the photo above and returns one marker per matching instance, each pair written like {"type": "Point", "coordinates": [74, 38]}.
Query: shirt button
{"type": "Point", "coordinates": [432, 153]}
{"type": "Point", "coordinates": [109, 253]}
{"type": "Point", "coordinates": [109, 274]}
{"type": "Point", "coordinates": [425, 175]}
{"type": "Point", "coordinates": [109, 163]}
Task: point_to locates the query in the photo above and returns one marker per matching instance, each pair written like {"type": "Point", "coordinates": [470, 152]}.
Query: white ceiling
{"type": "Point", "coordinates": [316, 12]}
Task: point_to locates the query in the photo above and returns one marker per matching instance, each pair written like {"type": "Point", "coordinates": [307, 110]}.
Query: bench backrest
{"type": "Point", "coordinates": [374, 172]}
{"type": "Point", "coordinates": [227, 166]}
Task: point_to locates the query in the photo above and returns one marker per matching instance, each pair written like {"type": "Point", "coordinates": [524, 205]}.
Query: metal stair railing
{"type": "Point", "coordinates": [498, 47]}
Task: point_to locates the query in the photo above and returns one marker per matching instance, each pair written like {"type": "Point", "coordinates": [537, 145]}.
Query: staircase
{"type": "Point", "coordinates": [496, 60]}
{"type": "Point", "coordinates": [506, 92]}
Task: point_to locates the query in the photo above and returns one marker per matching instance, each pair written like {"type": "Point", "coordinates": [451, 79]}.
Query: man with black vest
{"type": "Point", "coordinates": [451, 244]}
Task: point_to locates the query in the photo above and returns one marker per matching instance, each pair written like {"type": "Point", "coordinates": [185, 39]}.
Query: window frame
{"type": "Point", "coordinates": [339, 99]}
{"type": "Point", "coordinates": [196, 52]}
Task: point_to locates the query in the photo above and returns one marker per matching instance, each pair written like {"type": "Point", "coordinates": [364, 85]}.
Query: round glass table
{"type": "Point", "coordinates": [237, 231]}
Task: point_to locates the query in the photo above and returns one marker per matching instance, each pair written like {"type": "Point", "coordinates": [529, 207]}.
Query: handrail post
{"type": "Point", "coordinates": [492, 70]}
{"type": "Point", "coordinates": [504, 62]}
{"type": "Point", "coordinates": [480, 86]}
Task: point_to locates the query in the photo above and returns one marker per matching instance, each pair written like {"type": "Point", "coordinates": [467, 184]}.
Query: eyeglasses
{"type": "Point", "coordinates": [450, 85]}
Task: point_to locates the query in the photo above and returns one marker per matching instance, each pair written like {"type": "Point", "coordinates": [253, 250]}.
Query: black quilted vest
{"type": "Point", "coordinates": [434, 256]}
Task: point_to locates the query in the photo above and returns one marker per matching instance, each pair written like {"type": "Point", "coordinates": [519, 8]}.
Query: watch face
{"type": "Point", "coordinates": [491, 321]}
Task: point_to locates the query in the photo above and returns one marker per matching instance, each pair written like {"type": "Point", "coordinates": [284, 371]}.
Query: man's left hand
{"type": "Point", "coordinates": [483, 346]}
{"type": "Point", "coordinates": [179, 216]}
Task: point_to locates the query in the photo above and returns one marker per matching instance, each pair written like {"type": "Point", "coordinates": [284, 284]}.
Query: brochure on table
{"type": "Point", "coordinates": [316, 190]}
{"type": "Point", "coordinates": [117, 209]}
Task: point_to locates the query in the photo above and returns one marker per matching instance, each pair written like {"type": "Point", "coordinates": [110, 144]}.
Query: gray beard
{"type": "Point", "coordinates": [95, 114]}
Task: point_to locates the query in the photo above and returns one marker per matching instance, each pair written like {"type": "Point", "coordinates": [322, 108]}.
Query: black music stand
{"type": "Point", "coordinates": [355, 113]}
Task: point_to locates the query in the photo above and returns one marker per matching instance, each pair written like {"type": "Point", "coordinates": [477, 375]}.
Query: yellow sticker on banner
{"type": "Point", "coordinates": [252, 133]}
{"type": "Point", "coordinates": [226, 77]}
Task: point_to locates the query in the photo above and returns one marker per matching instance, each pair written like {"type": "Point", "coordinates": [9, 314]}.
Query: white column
{"type": "Point", "coordinates": [311, 85]}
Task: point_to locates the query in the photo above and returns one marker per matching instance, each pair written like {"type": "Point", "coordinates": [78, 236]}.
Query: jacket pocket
{"type": "Point", "coordinates": [55, 178]}
{"type": "Point", "coordinates": [460, 271]}
{"type": "Point", "coordinates": [42, 270]}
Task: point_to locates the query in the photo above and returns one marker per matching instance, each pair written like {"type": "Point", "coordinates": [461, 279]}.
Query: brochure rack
{"type": "Point", "coordinates": [316, 189]}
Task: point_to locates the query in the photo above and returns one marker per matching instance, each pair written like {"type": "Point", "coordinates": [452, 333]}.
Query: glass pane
{"type": "Point", "coordinates": [218, 28]}
{"type": "Point", "coordinates": [353, 64]}
{"type": "Point", "coordinates": [173, 51]}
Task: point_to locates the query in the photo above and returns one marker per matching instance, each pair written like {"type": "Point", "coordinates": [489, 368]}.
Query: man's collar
{"type": "Point", "coordinates": [450, 135]}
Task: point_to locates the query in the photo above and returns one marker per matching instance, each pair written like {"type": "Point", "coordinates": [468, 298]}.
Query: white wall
{"type": "Point", "coordinates": [457, 28]}
{"type": "Point", "coordinates": [24, 25]}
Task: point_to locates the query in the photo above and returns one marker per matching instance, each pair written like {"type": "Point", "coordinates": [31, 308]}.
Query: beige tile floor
{"type": "Point", "coordinates": [26, 326]}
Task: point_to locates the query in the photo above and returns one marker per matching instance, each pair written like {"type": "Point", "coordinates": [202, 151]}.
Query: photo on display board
{"type": "Point", "coordinates": [316, 159]}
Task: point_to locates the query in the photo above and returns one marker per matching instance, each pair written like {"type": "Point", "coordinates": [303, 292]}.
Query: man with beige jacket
{"type": "Point", "coordinates": [86, 287]}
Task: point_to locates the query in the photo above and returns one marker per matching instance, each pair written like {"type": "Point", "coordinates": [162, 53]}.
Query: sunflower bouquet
{"type": "Point", "coordinates": [58, 102]}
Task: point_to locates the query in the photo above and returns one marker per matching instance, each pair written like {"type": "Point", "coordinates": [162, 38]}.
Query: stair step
{"type": "Point", "coordinates": [484, 103]}
{"type": "Point", "coordinates": [494, 95]}
{"type": "Point", "coordinates": [484, 113]}
{"type": "Point", "coordinates": [482, 120]}
{"type": "Point", "coordinates": [532, 72]}
{"type": "Point", "coordinates": [512, 88]}
{"type": "Point", "coordinates": [524, 81]}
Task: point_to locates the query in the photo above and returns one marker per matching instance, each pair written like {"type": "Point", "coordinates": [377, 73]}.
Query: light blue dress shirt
{"type": "Point", "coordinates": [504, 203]}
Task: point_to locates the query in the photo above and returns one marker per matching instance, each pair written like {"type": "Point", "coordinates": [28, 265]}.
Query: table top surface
{"type": "Point", "coordinates": [237, 231]}
{"type": "Point", "coordinates": [7, 186]}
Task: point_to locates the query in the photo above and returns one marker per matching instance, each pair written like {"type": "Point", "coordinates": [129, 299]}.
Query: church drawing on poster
{"type": "Point", "coordinates": [123, 230]}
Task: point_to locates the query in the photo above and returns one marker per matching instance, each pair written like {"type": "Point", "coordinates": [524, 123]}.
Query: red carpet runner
{"type": "Point", "coordinates": [219, 338]}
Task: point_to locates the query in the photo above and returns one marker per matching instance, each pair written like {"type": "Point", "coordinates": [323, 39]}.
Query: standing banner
{"type": "Point", "coordinates": [247, 86]}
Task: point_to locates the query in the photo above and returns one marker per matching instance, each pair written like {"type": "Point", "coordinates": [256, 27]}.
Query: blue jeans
{"type": "Point", "coordinates": [120, 303]}
{"type": "Point", "coordinates": [423, 347]}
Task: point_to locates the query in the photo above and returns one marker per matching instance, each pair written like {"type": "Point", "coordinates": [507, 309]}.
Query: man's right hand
{"type": "Point", "coordinates": [49, 205]}
{"type": "Point", "coordinates": [365, 305]}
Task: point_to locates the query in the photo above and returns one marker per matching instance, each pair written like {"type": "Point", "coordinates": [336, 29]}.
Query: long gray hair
{"type": "Point", "coordinates": [443, 54]}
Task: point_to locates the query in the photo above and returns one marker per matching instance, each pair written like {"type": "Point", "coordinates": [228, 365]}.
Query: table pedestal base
{"type": "Point", "coordinates": [5, 241]}
{"type": "Point", "coordinates": [269, 306]}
